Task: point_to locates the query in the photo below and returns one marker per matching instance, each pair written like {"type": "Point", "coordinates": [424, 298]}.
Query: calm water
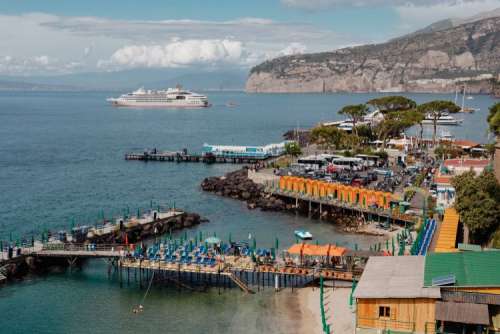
{"type": "Point", "coordinates": [61, 158]}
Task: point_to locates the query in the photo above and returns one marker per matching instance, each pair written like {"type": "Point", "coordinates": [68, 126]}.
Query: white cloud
{"type": "Point", "coordinates": [179, 53]}
{"type": "Point", "coordinates": [293, 49]}
{"type": "Point", "coordinates": [414, 16]}
{"type": "Point", "coordinates": [318, 4]}
{"type": "Point", "coordinates": [115, 44]}
{"type": "Point", "coordinates": [41, 60]}
{"type": "Point", "coordinates": [40, 64]}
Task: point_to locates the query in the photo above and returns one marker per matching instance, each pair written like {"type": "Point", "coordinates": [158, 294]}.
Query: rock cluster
{"type": "Point", "coordinates": [142, 232]}
{"type": "Point", "coordinates": [238, 186]}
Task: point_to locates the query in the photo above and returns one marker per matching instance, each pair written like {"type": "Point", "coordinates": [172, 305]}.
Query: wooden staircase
{"type": "Point", "coordinates": [242, 285]}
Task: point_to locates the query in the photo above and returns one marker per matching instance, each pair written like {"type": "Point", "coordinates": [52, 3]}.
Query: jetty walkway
{"type": "Point", "coordinates": [324, 203]}
{"type": "Point", "coordinates": [193, 157]}
{"type": "Point", "coordinates": [66, 250]}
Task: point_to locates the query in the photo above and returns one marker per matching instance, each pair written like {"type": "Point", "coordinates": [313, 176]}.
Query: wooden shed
{"type": "Point", "coordinates": [391, 295]}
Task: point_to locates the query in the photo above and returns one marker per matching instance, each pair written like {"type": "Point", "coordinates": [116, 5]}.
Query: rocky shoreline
{"type": "Point", "coordinates": [237, 185]}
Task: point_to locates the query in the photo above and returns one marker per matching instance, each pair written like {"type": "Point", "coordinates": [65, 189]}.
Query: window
{"type": "Point", "coordinates": [384, 312]}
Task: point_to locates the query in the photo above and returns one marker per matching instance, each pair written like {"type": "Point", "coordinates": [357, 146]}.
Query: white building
{"type": "Point", "coordinates": [257, 152]}
{"type": "Point", "coordinates": [450, 168]}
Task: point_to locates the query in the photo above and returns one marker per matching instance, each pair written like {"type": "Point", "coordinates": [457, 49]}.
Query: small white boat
{"type": "Point", "coordinates": [304, 235]}
{"type": "Point", "coordinates": [443, 120]}
{"type": "Point", "coordinates": [446, 136]}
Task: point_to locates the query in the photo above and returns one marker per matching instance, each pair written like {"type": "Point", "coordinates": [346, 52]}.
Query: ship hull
{"type": "Point", "coordinates": [118, 103]}
{"type": "Point", "coordinates": [455, 122]}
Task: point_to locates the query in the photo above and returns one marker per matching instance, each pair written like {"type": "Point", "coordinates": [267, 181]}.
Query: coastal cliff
{"type": "Point", "coordinates": [435, 61]}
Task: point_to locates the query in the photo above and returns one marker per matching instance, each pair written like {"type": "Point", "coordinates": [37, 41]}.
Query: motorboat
{"type": "Point", "coordinates": [443, 120]}
{"type": "Point", "coordinates": [304, 235]}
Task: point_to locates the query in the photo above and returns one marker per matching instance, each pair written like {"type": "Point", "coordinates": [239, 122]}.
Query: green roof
{"type": "Point", "coordinates": [478, 269]}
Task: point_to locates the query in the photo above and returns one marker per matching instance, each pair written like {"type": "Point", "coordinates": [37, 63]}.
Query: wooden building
{"type": "Point", "coordinates": [456, 292]}
{"type": "Point", "coordinates": [391, 296]}
{"type": "Point", "coordinates": [470, 290]}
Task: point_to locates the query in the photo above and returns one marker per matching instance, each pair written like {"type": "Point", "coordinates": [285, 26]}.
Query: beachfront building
{"type": "Point", "coordinates": [255, 152]}
{"type": "Point", "coordinates": [457, 292]}
{"type": "Point", "coordinates": [470, 291]}
{"type": "Point", "coordinates": [391, 296]}
{"type": "Point", "coordinates": [451, 168]}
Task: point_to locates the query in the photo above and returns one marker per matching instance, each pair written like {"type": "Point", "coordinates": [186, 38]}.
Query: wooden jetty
{"type": "Point", "coordinates": [206, 158]}
{"type": "Point", "coordinates": [323, 204]}
{"type": "Point", "coordinates": [220, 275]}
{"type": "Point", "coordinates": [67, 250]}
{"type": "Point", "coordinates": [232, 272]}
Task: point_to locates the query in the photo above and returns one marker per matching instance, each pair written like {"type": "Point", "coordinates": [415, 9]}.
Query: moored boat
{"type": "Point", "coordinates": [304, 235]}
{"type": "Point", "coordinates": [443, 120]}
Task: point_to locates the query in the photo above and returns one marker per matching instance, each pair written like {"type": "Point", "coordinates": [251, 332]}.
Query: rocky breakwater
{"type": "Point", "coordinates": [238, 186]}
{"type": "Point", "coordinates": [140, 232]}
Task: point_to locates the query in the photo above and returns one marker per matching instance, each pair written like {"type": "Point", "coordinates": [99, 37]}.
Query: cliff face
{"type": "Point", "coordinates": [425, 62]}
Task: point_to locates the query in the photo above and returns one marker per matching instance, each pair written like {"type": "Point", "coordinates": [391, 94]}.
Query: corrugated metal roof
{"type": "Point", "coordinates": [469, 297]}
{"type": "Point", "coordinates": [394, 277]}
{"type": "Point", "coordinates": [464, 313]}
{"type": "Point", "coordinates": [471, 269]}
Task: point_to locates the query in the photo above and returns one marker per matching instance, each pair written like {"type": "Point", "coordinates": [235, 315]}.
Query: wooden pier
{"type": "Point", "coordinates": [192, 157]}
{"type": "Point", "coordinates": [247, 280]}
{"type": "Point", "coordinates": [231, 273]}
{"type": "Point", "coordinates": [86, 251]}
{"type": "Point", "coordinates": [322, 205]}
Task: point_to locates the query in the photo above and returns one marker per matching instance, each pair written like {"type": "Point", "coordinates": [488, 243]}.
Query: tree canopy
{"type": "Point", "coordinates": [478, 203]}
{"type": "Point", "coordinates": [394, 123]}
{"type": "Point", "coordinates": [494, 119]}
{"type": "Point", "coordinates": [329, 136]}
{"type": "Point", "coordinates": [388, 104]}
{"type": "Point", "coordinates": [293, 149]}
{"type": "Point", "coordinates": [356, 113]}
{"type": "Point", "coordinates": [438, 107]}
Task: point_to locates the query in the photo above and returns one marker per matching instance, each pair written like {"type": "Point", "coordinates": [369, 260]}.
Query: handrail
{"type": "Point", "coordinates": [326, 326]}
{"type": "Point", "coordinates": [83, 247]}
{"type": "Point", "coordinates": [381, 323]}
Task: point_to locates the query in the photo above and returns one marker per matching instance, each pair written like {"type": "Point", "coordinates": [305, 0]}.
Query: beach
{"type": "Point", "coordinates": [337, 310]}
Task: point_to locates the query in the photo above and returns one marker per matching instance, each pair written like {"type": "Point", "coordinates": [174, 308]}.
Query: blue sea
{"type": "Point", "coordinates": [62, 160]}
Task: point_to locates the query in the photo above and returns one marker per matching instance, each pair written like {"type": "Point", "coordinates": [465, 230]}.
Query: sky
{"type": "Point", "coordinates": [50, 37]}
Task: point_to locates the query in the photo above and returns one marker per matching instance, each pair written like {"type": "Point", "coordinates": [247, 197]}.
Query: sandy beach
{"type": "Point", "coordinates": [337, 310]}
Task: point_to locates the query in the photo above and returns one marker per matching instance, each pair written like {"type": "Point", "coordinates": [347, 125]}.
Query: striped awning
{"type": "Point", "coordinates": [464, 313]}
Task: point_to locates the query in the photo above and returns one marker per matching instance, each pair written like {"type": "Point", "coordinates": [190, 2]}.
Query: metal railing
{"type": "Point", "coordinates": [83, 247]}
{"type": "Point", "coordinates": [386, 324]}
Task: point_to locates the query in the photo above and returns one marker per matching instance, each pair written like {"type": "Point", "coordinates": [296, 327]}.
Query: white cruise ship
{"type": "Point", "coordinates": [170, 98]}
